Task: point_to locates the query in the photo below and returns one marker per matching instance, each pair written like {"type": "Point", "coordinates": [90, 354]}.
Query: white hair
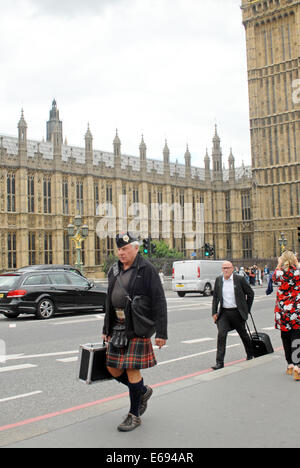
{"type": "Point", "coordinates": [135, 244]}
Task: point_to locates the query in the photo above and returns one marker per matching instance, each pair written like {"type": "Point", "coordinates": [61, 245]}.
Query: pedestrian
{"type": "Point", "coordinates": [232, 302]}
{"type": "Point", "coordinates": [267, 273]}
{"type": "Point", "coordinates": [127, 353]}
{"type": "Point", "coordinates": [287, 309]}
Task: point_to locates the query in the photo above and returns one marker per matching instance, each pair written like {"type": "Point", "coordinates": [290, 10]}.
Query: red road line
{"type": "Point", "coordinates": [105, 400]}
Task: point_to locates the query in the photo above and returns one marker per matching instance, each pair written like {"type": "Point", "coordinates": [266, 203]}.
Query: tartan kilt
{"type": "Point", "coordinates": [139, 354]}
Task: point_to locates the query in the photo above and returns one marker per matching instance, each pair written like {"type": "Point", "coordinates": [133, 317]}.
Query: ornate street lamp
{"type": "Point", "coordinates": [282, 242]}
{"type": "Point", "coordinates": [78, 235]}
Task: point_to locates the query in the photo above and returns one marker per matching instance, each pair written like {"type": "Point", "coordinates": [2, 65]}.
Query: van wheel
{"type": "Point", "coordinates": [181, 294]}
{"type": "Point", "coordinates": [207, 290]}
{"type": "Point", "coordinates": [45, 309]}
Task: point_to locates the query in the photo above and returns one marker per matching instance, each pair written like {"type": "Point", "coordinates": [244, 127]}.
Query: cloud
{"type": "Point", "coordinates": [71, 8]}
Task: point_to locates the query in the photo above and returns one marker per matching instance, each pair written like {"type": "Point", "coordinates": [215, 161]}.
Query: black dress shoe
{"type": "Point", "coordinates": [218, 367]}
{"type": "Point", "coordinates": [249, 358]}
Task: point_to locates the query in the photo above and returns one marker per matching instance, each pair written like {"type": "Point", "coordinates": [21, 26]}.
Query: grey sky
{"type": "Point", "coordinates": [165, 68]}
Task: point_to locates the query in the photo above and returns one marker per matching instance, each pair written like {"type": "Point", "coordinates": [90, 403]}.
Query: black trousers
{"type": "Point", "coordinates": [231, 319]}
{"type": "Point", "coordinates": [291, 344]}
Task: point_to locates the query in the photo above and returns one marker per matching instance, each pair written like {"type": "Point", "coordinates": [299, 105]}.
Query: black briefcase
{"type": "Point", "coordinates": [92, 368]}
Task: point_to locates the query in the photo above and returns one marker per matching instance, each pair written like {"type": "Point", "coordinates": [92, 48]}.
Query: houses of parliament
{"type": "Point", "coordinates": [45, 184]}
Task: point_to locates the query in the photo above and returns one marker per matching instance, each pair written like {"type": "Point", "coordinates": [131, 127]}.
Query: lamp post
{"type": "Point", "coordinates": [78, 235]}
{"type": "Point", "coordinates": [282, 242]}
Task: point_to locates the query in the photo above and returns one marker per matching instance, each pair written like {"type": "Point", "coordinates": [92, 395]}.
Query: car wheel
{"type": "Point", "coordinates": [207, 290]}
{"type": "Point", "coordinates": [45, 309]}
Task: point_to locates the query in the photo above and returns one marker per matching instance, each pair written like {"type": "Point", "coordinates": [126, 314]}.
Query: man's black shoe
{"type": "Point", "coordinates": [218, 367]}
{"type": "Point", "coordinates": [249, 358]}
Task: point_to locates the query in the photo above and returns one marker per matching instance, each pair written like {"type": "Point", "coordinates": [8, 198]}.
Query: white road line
{"type": "Point", "coordinates": [199, 340]}
{"type": "Point", "coordinates": [70, 359]}
{"type": "Point", "coordinates": [15, 368]}
{"type": "Point", "coordinates": [194, 355]}
{"type": "Point", "coordinates": [68, 322]}
{"type": "Point", "coordinates": [17, 397]}
{"type": "Point", "coordinates": [32, 356]}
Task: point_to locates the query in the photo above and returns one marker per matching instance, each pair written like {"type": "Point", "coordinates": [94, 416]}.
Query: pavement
{"type": "Point", "coordinates": [245, 405]}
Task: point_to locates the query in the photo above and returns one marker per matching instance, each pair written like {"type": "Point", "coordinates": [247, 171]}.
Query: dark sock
{"type": "Point", "coordinates": [123, 379]}
{"type": "Point", "coordinates": [136, 391]}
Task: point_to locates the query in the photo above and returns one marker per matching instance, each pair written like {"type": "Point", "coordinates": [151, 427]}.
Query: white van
{"type": "Point", "coordinates": [193, 276]}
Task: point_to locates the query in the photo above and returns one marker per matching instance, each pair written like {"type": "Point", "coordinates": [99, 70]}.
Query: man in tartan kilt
{"type": "Point", "coordinates": [130, 277]}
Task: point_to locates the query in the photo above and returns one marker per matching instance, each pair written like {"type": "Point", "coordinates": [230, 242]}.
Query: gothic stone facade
{"type": "Point", "coordinates": [44, 184]}
{"type": "Point", "coordinates": [273, 49]}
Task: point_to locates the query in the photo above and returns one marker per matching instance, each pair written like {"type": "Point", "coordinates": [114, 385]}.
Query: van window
{"type": "Point", "coordinates": [8, 282]}
{"type": "Point", "coordinates": [36, 280]}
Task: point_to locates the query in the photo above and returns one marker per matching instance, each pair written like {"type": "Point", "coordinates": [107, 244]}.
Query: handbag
{"type": "Point", "coordinates": [92, 367]}
{"type": "Point", "coordinates": [143, 325]}
{"type": "Point", "coordinates": [118, 338]}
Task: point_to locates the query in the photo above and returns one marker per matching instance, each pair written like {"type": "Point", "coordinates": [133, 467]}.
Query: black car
{"type": "Point", "coordinates": [45, 293]}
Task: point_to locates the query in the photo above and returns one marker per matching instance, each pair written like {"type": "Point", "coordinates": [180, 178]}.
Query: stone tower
{"type": "Point", "coordinates": [54, 126]}
{"type": "Point", "coordinates": [273, 53]}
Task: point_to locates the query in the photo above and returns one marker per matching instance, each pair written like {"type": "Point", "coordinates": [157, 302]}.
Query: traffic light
{"type": "Point", "coordinates": [146, 246]}
{"type": "Point", "coordinates": [299, 234]}
{"type": "Point", "coordinates": [207, 250]}
{"type": "Point", "coordinates": [153, 248]}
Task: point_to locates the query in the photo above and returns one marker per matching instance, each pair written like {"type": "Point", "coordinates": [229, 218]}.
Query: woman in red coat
{"type": "Point", "coordinates": [287, 310]}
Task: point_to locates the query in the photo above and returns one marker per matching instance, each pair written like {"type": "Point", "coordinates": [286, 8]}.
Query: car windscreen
{"type": "Point", "coordinates": [8, 282]}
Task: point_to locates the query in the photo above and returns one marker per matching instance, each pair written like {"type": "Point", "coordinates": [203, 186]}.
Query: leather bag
{"type": "Point", "coordinates": [118, 338]}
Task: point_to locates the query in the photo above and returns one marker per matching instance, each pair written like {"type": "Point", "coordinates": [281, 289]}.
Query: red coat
{"type": "Point", "coordinates": [287, 309]}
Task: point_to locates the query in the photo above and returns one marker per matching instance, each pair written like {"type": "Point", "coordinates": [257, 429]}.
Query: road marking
{"type": "Point", "coordinates": [199, 340]}
{"type": "Point", "coordinates": [17, 397]}
{"type": "Point", "coordinates": [70, 359]}
{"type": "Point", "coordinates": [15, 368]}
{"type": "Point", "coordinates": [68, 322]}
{"type": "Point", "coordinates": [33, 356]}
{"type": "Point", "coordinates": [194, 355]}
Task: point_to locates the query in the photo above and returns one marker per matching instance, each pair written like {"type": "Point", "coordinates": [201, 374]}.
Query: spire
{"type": "Point", "coordinates": [207, 166]}
{"type": "Point", "coordinates": [166, 153]}
{"type": "Point", "coordinates": [88, 134]}
{"type": "Point", "coordinates": [143, 149]}
{"type": "Point", "coordinates": [22, 121]}
{"type": "Point", "coordinates": [117, 145]}
{"type": "Point", "coordinates": [231, 163]}
{"type": "Point", "coordinates": [54, 126]}
{"type": "Point", "coordinates": [88, 144]}
{"type": "Point", "coordinates": [22, 127]}
{"type": "Point", "coordinates": [188, 157]}
{"type": "Point", "coordinates": [217, 157]}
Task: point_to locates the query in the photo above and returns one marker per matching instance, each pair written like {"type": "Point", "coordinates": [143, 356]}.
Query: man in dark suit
{"type": "Point", "coordinates": [232, 302]}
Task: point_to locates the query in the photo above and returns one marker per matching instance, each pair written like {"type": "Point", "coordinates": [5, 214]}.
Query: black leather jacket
{"type": "Point", "coordinates": [144, 281]}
